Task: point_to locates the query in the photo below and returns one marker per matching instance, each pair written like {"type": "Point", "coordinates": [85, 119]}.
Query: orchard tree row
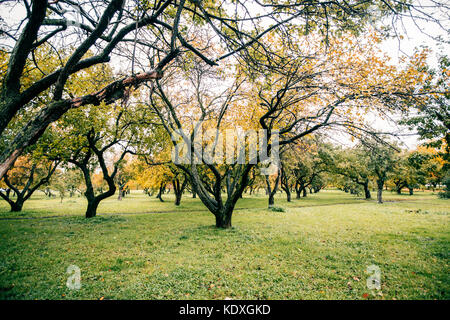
{"type": "Point", "coordinates": [98, 89]}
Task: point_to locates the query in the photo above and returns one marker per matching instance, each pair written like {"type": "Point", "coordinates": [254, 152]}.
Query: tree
{"type": "Point", "coordinates": [287, 170]}
{"type": "Point", "coordinates": [86, 138]}
{"type": "Point", "coordinates": [73, 180]}
{"type": "Point", "coordinates": [153, 169]}
{"type": "Point", "coordinates": [156, 176]}
{"type": "Point", "coordinates": [307, 163]}
{"type": "Point", "coordinates": [431, 119]}
{"type": "Point", "coordinates": [416, 168]}
{"type": "Point", "coordinates": [352, 164]}
{"type": "Point", "coordinates": [123, 176]}
{"type": "Point", "coordinates": [382, 162]}
{"type": "Point", "coordinates": [294, 97]}
{"type": "Point", "coordinates": [28, 175]}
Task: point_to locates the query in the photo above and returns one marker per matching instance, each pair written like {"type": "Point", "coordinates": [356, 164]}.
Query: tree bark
{"type": "Point", "coordinates": [367, 194]}
{"type": "Point", "coordinates": [17, 205]}
{"type": "Point", "coordinates": [160, 192]}
{"type": "Point", "coordinates": [273, 191]}
{"type": "Point", "coordinates": [91, 210]}
{"type": "Point", "coordinates": [305, 193]}
{"type": "Point", "coordinates": [178, 189]}
{"type": "Point", "coordinates": [380, 185]}
{"type": "Point", "coordinates": [288, 195]}
{"type": "Point", "coordinates": [271, 200]}
{"type": "Point", "coordinates": [223, 219]}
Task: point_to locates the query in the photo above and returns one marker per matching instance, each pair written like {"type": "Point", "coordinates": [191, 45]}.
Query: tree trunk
{"type": "Point", "coordinates": [367, 194]}
{"type": "Point", "coordinates": [178, 189]}
{"type": "Point", "coordinates": [305, 193]}
{"type": "Point", "coordinates": [159, 196]}
{"type": "Point", "coordinates": [177, 199]}
{"type": "Point", "coordinates": [272, 192]}
{"type": "Point", "coordinates": [271, 200]}
{"type": "Point", "coordinates": [91, 210]}
{"type": "Point", "coordinates": [380, 185]}
{"type": "Point", "coordinates": [17, 205]}
{"type": "Point", "coordinates": [288, 195]}
{"type": "Point", "coordinates": [411, 191]}
{"type": "Point", "coordinates": [223, 219]}
{"type": "Point", "coordinates": [194, 194]}
{"type": "Point", "coordinates": [121, 191]}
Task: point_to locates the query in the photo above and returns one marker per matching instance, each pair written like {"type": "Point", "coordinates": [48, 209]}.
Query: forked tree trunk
{"type": "Point", "coordinates": [178, 189]}
{"type": "Point", "coordinates": [93, 200]}
{"type": "Point", "coordinates": [16, 206]}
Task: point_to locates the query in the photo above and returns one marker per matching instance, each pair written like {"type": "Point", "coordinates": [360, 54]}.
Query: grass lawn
{"type": "Point", "coordinates": [139, 248]}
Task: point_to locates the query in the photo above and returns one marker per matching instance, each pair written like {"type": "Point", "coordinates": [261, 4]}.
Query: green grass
{"type": "Point", "coordinates": [139, 248]}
